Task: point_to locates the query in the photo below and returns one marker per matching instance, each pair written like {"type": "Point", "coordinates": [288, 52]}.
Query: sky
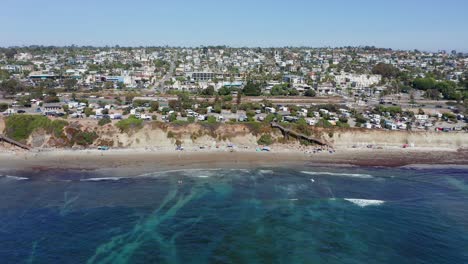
{"type": "Point", "coordinates": [429, 25]}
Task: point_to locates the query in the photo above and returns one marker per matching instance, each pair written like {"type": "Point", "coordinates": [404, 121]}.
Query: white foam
{"type": "Point", "coordinates": [355, 175]}
{"type": "Point", "coordinates": [104, 179]}
{"type": "Point", "coordinates": [17, 178]}
{"type": "Point", "coordinates": [189, 172]}
{"type": "Point", "coordinates": [365, 202]}
{"type": "Point", "coordinates": [266, 171]}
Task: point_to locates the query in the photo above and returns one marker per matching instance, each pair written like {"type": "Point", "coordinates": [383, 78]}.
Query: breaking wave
{"type": "Point", "coordinates": [198, 173]}
{"type": "Point", "coordinates": [17, 178]}
{"type": "Point", "coordinates": [103, 179]}
{"type": "Point", "coordinates": [355, 175]}
{"type": "Point", "coordinates": [364, 202]}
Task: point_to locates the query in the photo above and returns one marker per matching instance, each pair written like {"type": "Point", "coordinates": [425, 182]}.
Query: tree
{"type": "Point", "coordinates": [278, 90]}
{"type": "Point", "coordinates": [224, 91]}
{"type": "Point", "coordinates": [11, 86]}
{"type": "Point", "coordinates": [447, 88]}
{"type": "Point", "coordinates": [70, 84]}
{"type": "Point", "coordinates": [154, 106]}
{"type": "Point", "coordinates": [310, 93]}
{"type": "Point", "coordinates": [209, 91]}
{"type": "Point", "coordinates": [109, 85]}
{"type": "Point", "coordinates": [386, 70]}
{"type": "Point", "coordinates": [293, 92]}
{"type": "Point", "coordinates": [239, 98]}
{"type": "Point", "coordinates": [10, 53]}
{"type": "Point", "coordinates": [4, 75]}
{"type": "Point", "coordinates": [252, 89]}
{"type": "Point", "coordinates": [424, 83]}
{"type": "Point", "coordinates": [433, 94]}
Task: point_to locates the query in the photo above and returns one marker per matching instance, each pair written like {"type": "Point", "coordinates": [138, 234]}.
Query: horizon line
{"type": "Point", "coordinates": [223, 45]}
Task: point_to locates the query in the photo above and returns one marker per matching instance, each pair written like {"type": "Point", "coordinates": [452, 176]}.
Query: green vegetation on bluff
{"type": "Point", "coordinates": [20, 127]}
{"type": "Point", "coordinates": [131, 123]}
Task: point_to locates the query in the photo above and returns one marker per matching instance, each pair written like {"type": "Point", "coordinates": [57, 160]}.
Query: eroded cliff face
{"type": "Point", "coordinates": [2, 125]}
{"type": "Point", "coordinates": [150, 135]}
{"type": "Point", "coordinates": [195, 135]}
{"type": "Point", "coordinates": [358, 137]}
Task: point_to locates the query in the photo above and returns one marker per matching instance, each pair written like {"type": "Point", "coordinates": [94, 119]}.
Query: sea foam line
{"type": "Point", "coordinates": [364, 202]}
{"type": "Point", "coordinates": [355, 175]}
{"type": "Point", "coordinates": [186, 172]}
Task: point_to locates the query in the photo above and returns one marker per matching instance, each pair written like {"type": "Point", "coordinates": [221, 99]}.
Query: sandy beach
{"type": "Point", "coordinates": [136, 161]}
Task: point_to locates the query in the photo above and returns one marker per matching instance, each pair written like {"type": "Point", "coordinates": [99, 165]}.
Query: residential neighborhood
{"type": "Point", "coordinates": [362, 87]}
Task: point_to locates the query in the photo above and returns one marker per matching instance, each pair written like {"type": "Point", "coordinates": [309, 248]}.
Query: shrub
{"type": "Point", "coordinates": [85, 138]}
{"type": "Point", "coordinates": [211, 120]}
{"type": "Point", "coordinates": [154, 106]}
{"type": "Point", "coordinates": [301, 126]}
{"type": "Point", "coordinates": [172, 117]}
{"type": "Point", "coordinates": [342, 124]}
{"type": "Point", "coordinates": [56, 127]}
{"type": "Point", "coordinates": [88, 112]}
{"type": "Point", "coordinates": [130, 123]}
{"type": "Point", "coordinates": [360, 119]}
{"type": "Point", "coordinates": [310, 93]}
{"type": "Point", "coordinates": [20, 127]}
{"type": "Point", "coordinates": [265, 140]}
{"type": "Point", "coordinates": [270, 118]}
{"type": "Point", "coordinates": [324, 123]}
{"type": "Point", "coordinates": [170, 134]}
{"type": "Point", "coordinates": [104, 121]}
{"type": "Point", "coordinates": [3, 107]}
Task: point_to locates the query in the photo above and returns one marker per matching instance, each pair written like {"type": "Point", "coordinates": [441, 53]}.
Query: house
{"type": "Point", "coordinates": [421, 117]}
{"type": "Point", "coordinates": [270, 110]}
{"type": "Point", "coordinates": [311, 121]}
{"type": "Point", "coordinates": [52, 106]}
{"type": "Point", "coordinates": [325, 88]}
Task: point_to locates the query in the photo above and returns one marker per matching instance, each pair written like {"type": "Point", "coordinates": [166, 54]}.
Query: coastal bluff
{"type": "Point", "coordinates": [195, 135]}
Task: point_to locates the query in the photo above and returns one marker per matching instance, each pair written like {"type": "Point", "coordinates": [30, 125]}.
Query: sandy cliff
{"type": "Point", "coordinates": [160, 135]}
{"type": "Point", "coordinates": [2, 125]}
{"type": "Point", "coordinates": [349, 138]}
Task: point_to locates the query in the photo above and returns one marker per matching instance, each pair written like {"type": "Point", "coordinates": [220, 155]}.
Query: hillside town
{"type": "Point", "coordinates": [350, 87]}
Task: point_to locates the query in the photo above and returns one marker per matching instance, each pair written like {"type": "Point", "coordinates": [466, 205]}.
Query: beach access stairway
{"type": "Point", "coordinates": [286, 132]}
{"type": "Point", "coordinates": [13, 142]}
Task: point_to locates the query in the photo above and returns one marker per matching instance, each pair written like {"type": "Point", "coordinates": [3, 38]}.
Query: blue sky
{"type": "Point", "coordinates": [399, 24]}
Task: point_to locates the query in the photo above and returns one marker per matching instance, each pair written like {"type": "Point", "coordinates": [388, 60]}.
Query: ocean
{"type": "Point", "coordinates": [266, 215]}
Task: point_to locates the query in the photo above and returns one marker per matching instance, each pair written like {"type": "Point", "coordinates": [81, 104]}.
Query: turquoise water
{"type": "Point", "coordinates": [299, 215]}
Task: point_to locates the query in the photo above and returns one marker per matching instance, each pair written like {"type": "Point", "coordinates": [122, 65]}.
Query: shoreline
{"type": "Point", "coordinates": [136, 161]}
